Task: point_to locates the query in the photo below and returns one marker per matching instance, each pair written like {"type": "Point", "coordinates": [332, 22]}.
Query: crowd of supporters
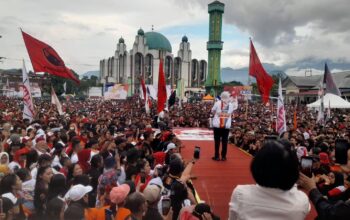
{"type": "Point", "coordinates": [111, 160]}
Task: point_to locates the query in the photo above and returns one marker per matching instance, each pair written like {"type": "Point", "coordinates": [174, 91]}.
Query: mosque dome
{"type": "Point", "coordinates": [140, 32]}
{"type": "Point", "coordinates": [184, 39]}
{"type": "Point", "coordinates": [157, 41]}
{"type": "Point", "coordinates": [121, 40]}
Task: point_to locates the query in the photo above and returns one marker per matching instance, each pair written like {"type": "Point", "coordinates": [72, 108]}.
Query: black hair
{"type": "Point", "coordinates": [32, 157]}
{"type": "Point", "coordinates": [134, 202]}
{"type": "Point", "coordinates": [54, 208]}
{"type": "Point", "coordinates": [176, 167]}
{"type": "Point", "coordinates": [71, 171]}
{"type": "Point", "coordinates": [96, 161]}
{"type": "Point", "coordinates": [23, 174]}
{"type": "Point", "coordinates": [57, 186]}
{"type": "Point", "coordinates": [7, 183]}
{"type": "Point", "coordinates": [44, 158]}
{"type": "Point", "coordinates": [275, 166]}
{"type": "Point", "coordinates": [81, 179]}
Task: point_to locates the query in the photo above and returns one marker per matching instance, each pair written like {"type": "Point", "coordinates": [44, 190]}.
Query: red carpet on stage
{"type": "Point", "coordinates": [216, 180]}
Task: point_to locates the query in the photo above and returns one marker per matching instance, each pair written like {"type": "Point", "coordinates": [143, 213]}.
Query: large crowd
{"type": "Point", "coordinates": [112, 160]}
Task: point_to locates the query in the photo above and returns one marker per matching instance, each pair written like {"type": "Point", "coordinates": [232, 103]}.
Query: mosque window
{"type": "Point", "coordinates": [177, 68]}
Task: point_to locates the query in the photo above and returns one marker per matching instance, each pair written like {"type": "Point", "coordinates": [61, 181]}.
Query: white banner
{"type": "Point", "coordinates": [28, 106]}
{"type": "Point", "coordinates": [55, 101]}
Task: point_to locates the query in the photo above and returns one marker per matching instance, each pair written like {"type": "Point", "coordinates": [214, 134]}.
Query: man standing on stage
{"type": "Point", "coordinates": [222, 111]}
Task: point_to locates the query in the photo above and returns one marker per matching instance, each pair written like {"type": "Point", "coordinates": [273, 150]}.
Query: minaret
{"type": "Point", "coordinates": [214, 47]}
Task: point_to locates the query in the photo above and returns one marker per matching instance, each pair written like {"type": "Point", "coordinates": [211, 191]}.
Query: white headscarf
{"type": "Point", "coordinates": [7, 155]}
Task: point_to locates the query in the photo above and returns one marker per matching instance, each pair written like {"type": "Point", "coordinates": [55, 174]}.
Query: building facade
{"type": "Point", "coordinates": [127, 67]}
{"type": "Point", "coordinates": [304, 89]}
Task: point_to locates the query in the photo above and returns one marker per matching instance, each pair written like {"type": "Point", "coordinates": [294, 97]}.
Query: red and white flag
{"type": "Point", "coordinates": [145, 96]}
{"type": "Point", "coordinates": [281, 113]}
{"type": "Point", "coordinates": [55, 101]}
{"type": "Point", "coordinates": [28, 107]}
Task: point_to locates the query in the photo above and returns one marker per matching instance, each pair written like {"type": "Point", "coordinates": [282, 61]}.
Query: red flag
{"type": "Point", "coordinates": [45, 59]}
{"type": "Point", "coordinates": [256, 70]}
{"type": "Point", "coordinates": [161, 88]}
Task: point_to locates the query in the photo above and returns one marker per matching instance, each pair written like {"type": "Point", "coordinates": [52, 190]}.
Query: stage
{"type": "Point", "coordinates": [216, 179]}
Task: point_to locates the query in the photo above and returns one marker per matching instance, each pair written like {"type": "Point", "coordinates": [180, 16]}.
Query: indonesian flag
{"type": "Point", "coordinates": [281, 113]}
{"type": "Point", "coordinates": [55, 101]}
{"type": "Point", "coordinates": [263, 80]}
{"type": "Point", "coordinates": [28, 108]}
{"type": "Point", "coordinates": [162, 94]}
{"type": "Point", "coordinates": [45, 59]}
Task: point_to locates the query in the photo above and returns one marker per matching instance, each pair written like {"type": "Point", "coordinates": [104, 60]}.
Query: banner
{"type": "Point", "coordinates": [115, 91]}
{"type": "Point", "coordinates": [28, 106]}
{"type": "Point", "coordinates": [55, 101]}
{"type": "Point", "coordinates": [239, 91]}
{"type": "Point", "coordinates": [281, 113]}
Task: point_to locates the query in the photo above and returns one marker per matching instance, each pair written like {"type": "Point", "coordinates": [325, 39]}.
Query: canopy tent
{"type": "Point", "coordinates": [332, 101]}
{"type": "Point", "coordinates": [208, 98]}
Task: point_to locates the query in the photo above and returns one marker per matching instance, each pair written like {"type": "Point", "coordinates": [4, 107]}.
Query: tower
{"type": "Point", "coordinates": [214, 47]}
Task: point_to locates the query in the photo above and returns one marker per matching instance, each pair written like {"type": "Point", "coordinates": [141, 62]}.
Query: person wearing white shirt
{"type": "Point", "coordinates": [222, 111]}
{"type": "Point", "coordinates": [275, 196]}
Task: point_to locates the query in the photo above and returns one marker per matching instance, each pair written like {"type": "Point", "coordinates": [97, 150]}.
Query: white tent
{"type": "Point", "coordinates": [331, 100]}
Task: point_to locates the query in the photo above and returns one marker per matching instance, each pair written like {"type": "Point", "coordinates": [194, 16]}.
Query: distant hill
{"type": "Point", "coordinates": [91, 73]}
{"type": "Point", "coordinates": [241, 75]}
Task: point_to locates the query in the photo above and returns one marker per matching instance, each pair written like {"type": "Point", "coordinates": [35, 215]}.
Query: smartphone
{"type": "Point", "coordinates": [197, 152]}
{"type": "Point", "coordinates": [306, 166]}
{"type": "Point", "coordinates": [166, 204]}
{"type": "Point", "coordinates": [143, 176]}
{"type": "Point", "coordinates": [160, 171]}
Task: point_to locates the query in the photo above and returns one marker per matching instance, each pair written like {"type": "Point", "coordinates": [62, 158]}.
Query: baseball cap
{"type": "Point", "coordinates": [170, 146]}
{"type": "Point", "coordinates": [152, 193]}
{"type": "Point", "coordinates": [77, 192]}
{"type": "Point", "coordinates": [119, 193]}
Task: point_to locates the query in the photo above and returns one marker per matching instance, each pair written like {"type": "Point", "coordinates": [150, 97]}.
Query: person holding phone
{"type": "Point", "coordinates": [142, 179]}
{"type": "Point", "coordinates": [222, 111]}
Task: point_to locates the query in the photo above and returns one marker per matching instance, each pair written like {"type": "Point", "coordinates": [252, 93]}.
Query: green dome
{"type": "Point", "coordinates": [140, 32]}
{"type": "Point", "coordinates": [157, 41]}
{"type": "Point", "coordinates": [121, 40]}
{"type": "Point", "coordinates": [184, 39]}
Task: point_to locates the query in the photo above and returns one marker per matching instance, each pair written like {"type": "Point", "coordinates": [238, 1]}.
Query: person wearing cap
{"type": "Point", "coordinates": [222, 111]}
{"type": "Point", "coordinates": [77, 199]}
{"type": "Point", "coordinates": [118, 196]}
{"type": "Point", "coordinates": [152, 194]}
{"type": "Point", "coordinates": [41, 145]}
{"type": "Point", "coordinates": [170, 150]}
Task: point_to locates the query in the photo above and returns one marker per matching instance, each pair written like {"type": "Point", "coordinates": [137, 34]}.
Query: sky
{"type": "Point", "coordinates": [285, 32]}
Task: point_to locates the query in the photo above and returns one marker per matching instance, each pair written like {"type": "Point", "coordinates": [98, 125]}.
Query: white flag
{"type": "Point", "coordinates": [281, 113]}
{"type": "Point", "coordinates": [65, 88]}
{"type": "Point", "coordinates": [55, 101]}
{"type": "Point", "coordinates": [28, 107]}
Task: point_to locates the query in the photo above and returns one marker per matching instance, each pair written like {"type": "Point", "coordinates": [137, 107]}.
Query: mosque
{"type": "Point", "coordinates": [127, 67]}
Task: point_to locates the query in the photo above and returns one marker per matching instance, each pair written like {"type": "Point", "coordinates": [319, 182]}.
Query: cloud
{"type": "Point", "coordinates": [284, 31]}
